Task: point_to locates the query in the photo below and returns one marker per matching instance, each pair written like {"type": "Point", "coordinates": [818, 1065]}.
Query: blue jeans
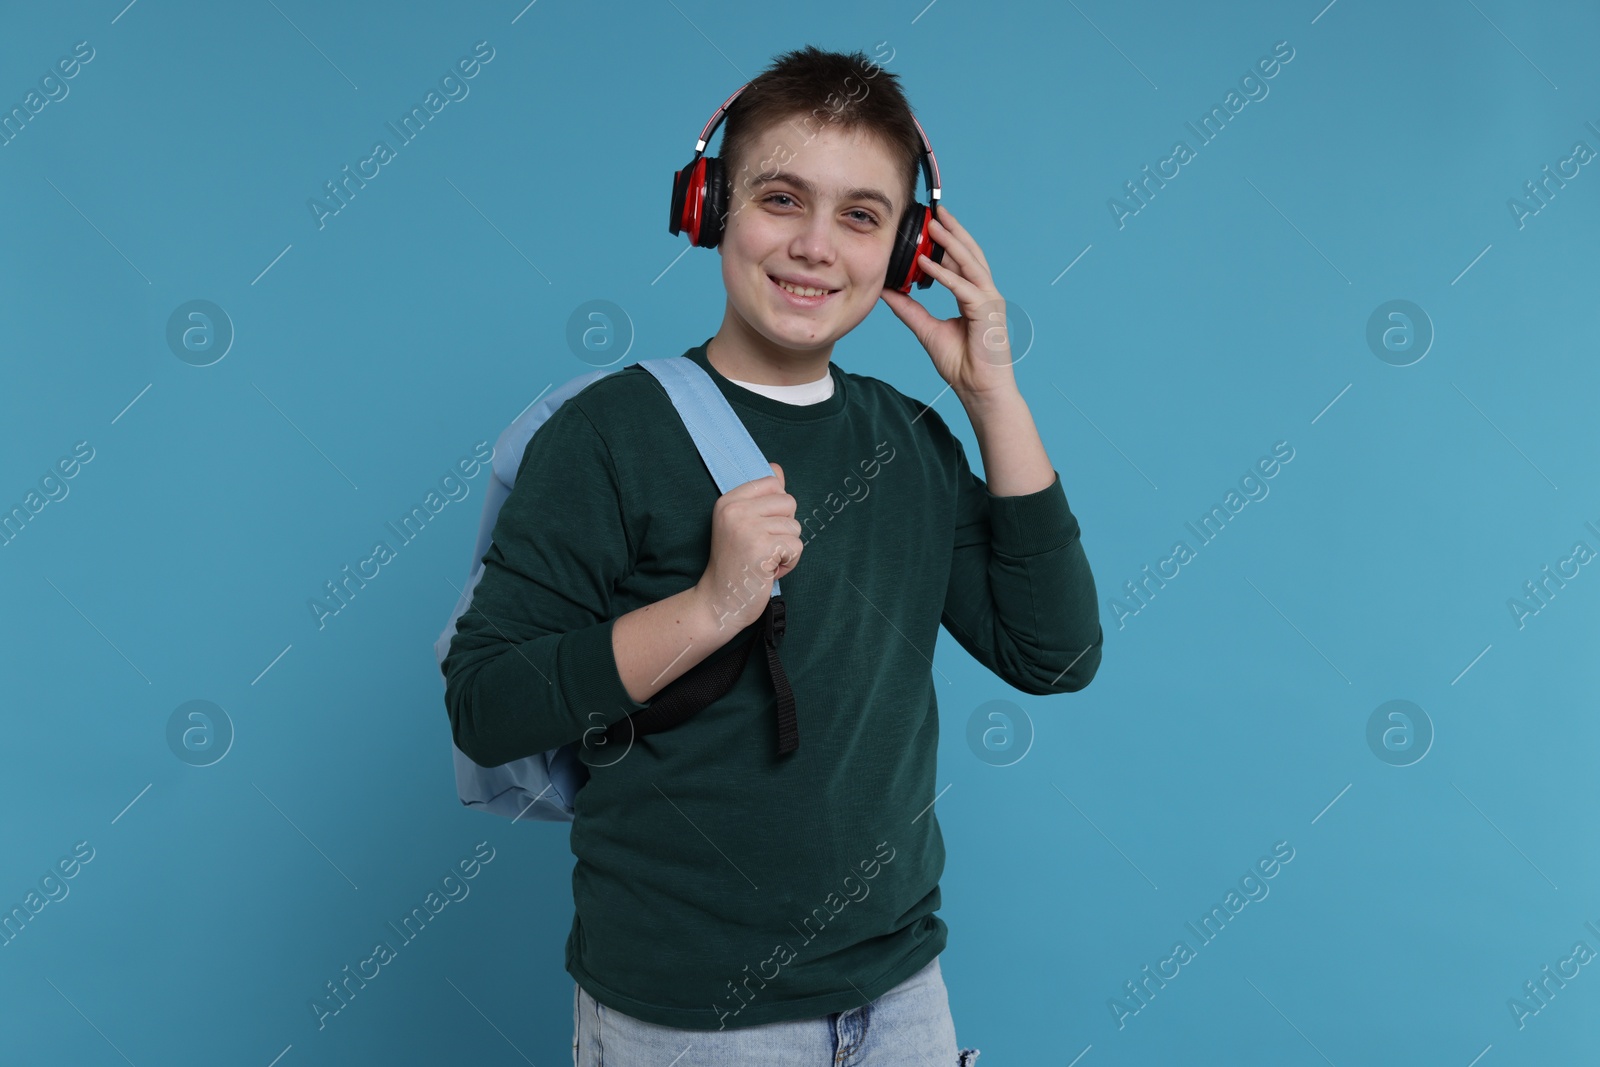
{"type": "Point", "coordinates": [909, 1026]}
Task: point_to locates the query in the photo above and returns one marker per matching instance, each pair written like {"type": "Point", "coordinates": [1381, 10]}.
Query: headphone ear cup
{"type": "Point", "coordinates": [908, 239]}
{"type": "Point", "coordinates": [714, 209]}
{"type": "Point", "coordinates": [677, 223]}
{"type": "Point", "coordinates": [934, 251]}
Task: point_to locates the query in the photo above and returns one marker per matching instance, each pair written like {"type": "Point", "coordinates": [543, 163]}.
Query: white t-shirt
{"type": "Point", "coordinates": [804, 393]}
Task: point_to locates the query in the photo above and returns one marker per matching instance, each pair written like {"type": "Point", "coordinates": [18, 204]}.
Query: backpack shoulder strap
{"type": "Point", "coordinates": [730, 453]}
{"type": "Point", "coordinates": [733, 458]}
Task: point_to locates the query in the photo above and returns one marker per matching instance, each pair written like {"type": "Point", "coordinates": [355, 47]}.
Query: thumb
{"type": "Point", "coordinates": [777, 472]}
{"type": "Point", "coordinates": [909, 311]}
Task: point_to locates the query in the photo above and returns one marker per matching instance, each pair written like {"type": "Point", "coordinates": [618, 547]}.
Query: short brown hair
{"type": "Point", "coordinates": [844, 88]}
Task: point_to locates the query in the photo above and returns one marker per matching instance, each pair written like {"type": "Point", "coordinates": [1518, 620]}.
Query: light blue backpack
{"type": "Point", "coordinates": [543, 786]}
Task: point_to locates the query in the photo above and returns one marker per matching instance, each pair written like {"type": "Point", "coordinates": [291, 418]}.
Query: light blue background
{"type": "Point", "coordinates": [1227, 315]}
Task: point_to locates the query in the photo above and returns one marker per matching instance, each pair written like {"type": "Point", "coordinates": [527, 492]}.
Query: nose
{"type": "Point", "coordinates": [815, 241]}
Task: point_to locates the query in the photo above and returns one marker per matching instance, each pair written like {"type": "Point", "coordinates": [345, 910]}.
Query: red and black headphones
{"type": "Point", "coordinates": [700, 205]}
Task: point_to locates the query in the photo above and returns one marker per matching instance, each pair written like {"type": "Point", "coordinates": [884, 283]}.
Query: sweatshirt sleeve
{"type": "Point", "coordinates": [531, 666]}
{"type": "Point", "coordinates": [1021, 598]}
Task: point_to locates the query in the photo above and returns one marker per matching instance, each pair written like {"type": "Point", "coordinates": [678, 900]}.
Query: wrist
{"type": "Point", "coordinates": [712, 614]}
{"type": "Point", "coordinates": [1000, 402]}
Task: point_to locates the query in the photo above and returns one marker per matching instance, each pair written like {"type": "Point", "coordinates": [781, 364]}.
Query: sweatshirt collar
{"type": "Point", "coordinates": [748, 399]}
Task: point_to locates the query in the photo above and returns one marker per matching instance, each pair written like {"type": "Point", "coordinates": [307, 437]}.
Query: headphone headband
{"type": "Point", "coordinates": [930, 165]}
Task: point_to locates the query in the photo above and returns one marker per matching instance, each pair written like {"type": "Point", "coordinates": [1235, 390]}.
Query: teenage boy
{"type": "Point", "coordinates": [731, 899]}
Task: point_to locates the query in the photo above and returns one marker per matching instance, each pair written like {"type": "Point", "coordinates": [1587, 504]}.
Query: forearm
{"type": "Point", "coordinates": [660, 642]}
{"type": "Point", "coordinates": [1032, 556]}
{"type": "Point", "coordinates": [510, 695]}
{"type": "Point", "coordinates": [1021, 596]}
{"type": "Point", "coordinates": [510, 698]}
{"type": "Point", "coordinates": [1014, 459]}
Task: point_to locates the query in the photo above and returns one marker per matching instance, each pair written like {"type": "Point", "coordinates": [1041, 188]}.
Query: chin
{"type": "Point", "coordinates": [799, 341]}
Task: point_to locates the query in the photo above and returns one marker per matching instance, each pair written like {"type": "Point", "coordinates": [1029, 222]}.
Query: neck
{"type": "Point", "coordinates": [740, 353]}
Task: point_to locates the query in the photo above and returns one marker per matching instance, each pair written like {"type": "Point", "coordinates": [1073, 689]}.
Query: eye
{"type": "Point", "coordinates": [860, 214]}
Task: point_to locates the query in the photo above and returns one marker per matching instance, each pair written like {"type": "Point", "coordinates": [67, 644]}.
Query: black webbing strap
{"type": "Point", "coordinates": [710, 679]}
{"type": "Point", "coordinates": [774, 618]}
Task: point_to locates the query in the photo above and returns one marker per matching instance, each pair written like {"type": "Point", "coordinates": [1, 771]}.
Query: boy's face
{"type": "Point", "coordinates": [821, 211]}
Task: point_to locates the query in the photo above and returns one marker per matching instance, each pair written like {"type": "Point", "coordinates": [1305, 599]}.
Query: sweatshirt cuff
{"type": "Point", "coordinates": [1033, 523]}
{"type": "Point", "coordinates": [586, 657]}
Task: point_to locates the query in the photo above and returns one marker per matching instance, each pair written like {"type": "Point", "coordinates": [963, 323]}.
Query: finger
{"type": "Point", "coordinates": [960, 252]}
{"type": "Point", "coordinates": [771, 484]}
{"type": "Point", "coordinates": [963, 252]}
{"type": "Point", "coordinates": [910, 312]}
{"type": "Point", "coordinates": [947, 219]}
{"type": "Point", "coordinates": [781, 559]}
{"type": "Point", "coordinates": [961, 287]}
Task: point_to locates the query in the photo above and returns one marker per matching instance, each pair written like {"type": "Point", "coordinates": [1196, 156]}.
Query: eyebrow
{"type": "Point", "coordinates": [859, 193]}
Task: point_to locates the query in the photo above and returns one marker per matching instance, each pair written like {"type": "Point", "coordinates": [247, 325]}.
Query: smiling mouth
{"type": "Point", "coordinates": [802, 292]}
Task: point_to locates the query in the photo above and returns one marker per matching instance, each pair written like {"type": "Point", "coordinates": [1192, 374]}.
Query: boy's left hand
{"type": "Point", "coordinates": [971, 351]}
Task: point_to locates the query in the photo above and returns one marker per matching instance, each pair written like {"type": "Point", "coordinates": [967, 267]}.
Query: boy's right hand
{"type": "Point", "coordinates": [755, 540]}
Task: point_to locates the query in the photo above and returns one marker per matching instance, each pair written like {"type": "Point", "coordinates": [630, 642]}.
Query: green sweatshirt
{"type": "Point", "coordinates": [719, 884]}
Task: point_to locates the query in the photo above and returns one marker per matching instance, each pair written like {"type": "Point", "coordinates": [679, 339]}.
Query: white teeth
{"type": "Point", "coordinates": [802, 290]}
